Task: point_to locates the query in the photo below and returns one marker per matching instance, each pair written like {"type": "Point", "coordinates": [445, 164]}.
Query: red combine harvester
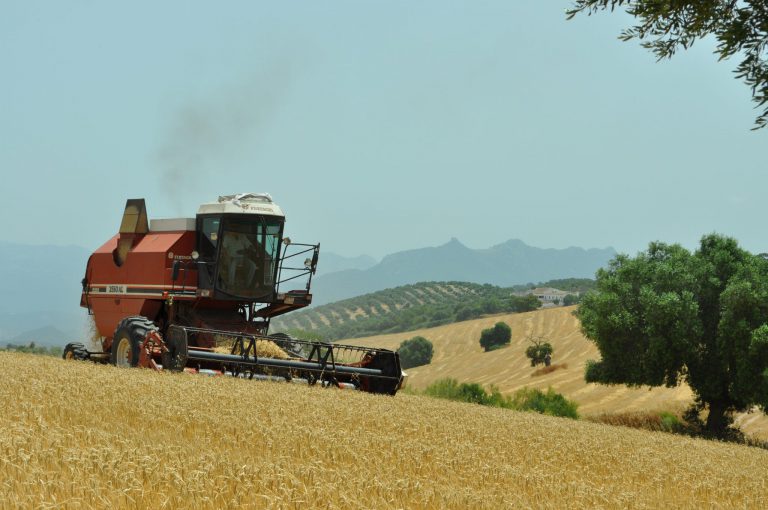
{"type": "Point", "coordinates": [197, 294]}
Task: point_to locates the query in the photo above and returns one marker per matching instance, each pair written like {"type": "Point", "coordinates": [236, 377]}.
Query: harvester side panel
{"type": "Point", "coordinates": [136, 287]}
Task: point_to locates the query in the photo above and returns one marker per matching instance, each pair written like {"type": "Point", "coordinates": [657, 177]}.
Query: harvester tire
{"type": "Point", "coordinates": [129, 336]}
{"type": "Point", "coordinates": [76, 351]}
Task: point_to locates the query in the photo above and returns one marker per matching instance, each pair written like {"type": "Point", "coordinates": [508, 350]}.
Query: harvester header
{"type": "Point", "coordinates": [197, 294]}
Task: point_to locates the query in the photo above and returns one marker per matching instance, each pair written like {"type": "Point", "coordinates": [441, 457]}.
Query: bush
{"type": "Point", "coordinates": [670, 422]}
{"type": "Point", "coordinates": [415, 352]}
{"type": "Point", "coordinates": [444, 388]}
{"type": "Point", "coordinates": [550, 403]}
{"type": "Point", "coordinates": [473, 393]}
{"type": "Point", "coordinates": [499, 335]}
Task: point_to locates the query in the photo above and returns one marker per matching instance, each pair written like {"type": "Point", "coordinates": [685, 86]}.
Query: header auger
{"type": "Point", "coordinates": [197, 294]}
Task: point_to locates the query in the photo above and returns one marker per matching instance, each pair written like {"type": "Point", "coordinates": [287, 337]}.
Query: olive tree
{"type": "Point", "coordinates": [668, 316]}
{"type": "Point", "coordinates": [497, 336]}
{"type": "Point", "coordinates": [538, 350]}
{"type": "Point", "coordinates": [415, 352]}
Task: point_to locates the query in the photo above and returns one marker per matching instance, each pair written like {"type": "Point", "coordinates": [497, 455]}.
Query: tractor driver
{"type": "Point", "coordinates": [239, 251]}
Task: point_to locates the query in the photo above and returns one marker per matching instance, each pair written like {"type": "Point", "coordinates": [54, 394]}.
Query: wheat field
{"type": "Point", "coordinates": [79, 435]}
{"type": "Point", "coordinates": [457, 354]}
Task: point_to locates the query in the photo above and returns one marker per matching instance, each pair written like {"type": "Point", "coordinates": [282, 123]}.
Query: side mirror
{"type": "Point", "coordinates": [175, 270]}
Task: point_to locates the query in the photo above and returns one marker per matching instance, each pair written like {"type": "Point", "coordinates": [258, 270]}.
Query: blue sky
{"type": "Point", "coordinates": [377, 125]}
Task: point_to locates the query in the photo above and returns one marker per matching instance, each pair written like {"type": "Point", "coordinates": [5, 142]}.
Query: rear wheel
{"type": "Point", "coordinates": [129, 336]}
{"type": "Point", "coordinates": [75, 351]}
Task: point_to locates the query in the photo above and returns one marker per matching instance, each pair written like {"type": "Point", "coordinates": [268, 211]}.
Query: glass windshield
{"type": "Point", "coordinates": [248, 255]}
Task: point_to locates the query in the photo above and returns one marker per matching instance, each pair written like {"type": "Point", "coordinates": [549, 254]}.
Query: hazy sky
{"type": "Point", "coordinates": [377, 125]}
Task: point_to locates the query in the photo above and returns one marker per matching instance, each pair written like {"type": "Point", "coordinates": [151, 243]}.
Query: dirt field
{"type": "Point", "coordinates": [78, 435]}
{"type": "Point", "coordinates": [458, 354]}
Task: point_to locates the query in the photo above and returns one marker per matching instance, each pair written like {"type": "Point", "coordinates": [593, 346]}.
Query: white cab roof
{"type": "Point", "coordinates": [243, 203]}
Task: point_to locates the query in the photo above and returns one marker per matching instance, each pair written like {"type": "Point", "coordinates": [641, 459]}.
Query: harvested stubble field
{"type": "Point", "coordinates": [457, 354]}
{"type": "Point", "coordinates": [78, 435]}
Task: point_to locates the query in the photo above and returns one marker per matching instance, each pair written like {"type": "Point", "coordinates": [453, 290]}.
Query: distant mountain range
{"type": "Point", "coordinates": [507, 264]}
{"type": "Point", "coordinates": [332, 263]}
{"type": "Point", "coordinates": [41, 289]}
{"type": "Point", "coordinates": [48, 336]}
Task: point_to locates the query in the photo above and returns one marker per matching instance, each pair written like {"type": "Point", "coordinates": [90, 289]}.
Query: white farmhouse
{"type": "Point", "coordinates": [550, 296]}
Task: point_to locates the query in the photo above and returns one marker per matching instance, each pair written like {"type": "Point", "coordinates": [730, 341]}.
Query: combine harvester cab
{"type": "Point", "coordinates": [197, 294]}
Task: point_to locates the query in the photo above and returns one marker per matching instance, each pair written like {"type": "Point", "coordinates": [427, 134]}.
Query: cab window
{"type": "Point", "coordinates": [209, 238]}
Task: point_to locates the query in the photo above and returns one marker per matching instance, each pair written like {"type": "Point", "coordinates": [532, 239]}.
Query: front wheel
{"type": "Point", "coordinates": [75, 351]}
{"type": "Point", "coordinates": [129, 336]}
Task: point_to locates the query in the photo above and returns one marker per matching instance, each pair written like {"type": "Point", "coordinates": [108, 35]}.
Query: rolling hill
{"type": "Point", "coordinates": [458, 354]}
{"type": "Point", "coordinates": [424, 304]}
{"type": "Point", "coordinates": [71, 437]}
